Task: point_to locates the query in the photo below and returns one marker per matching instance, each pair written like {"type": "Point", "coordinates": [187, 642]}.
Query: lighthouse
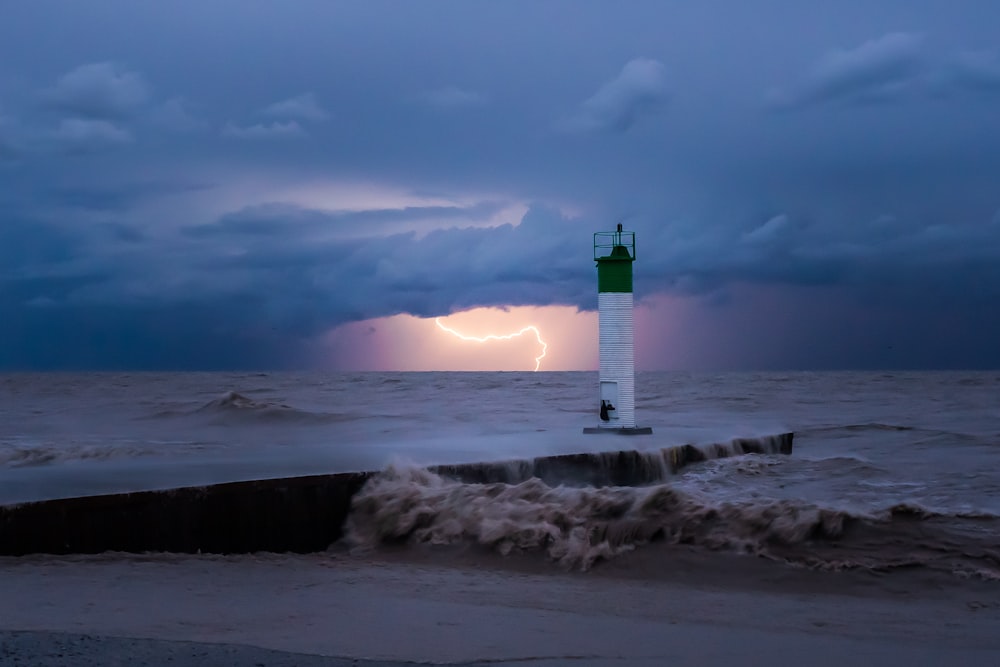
{"type": "Point", "coordinates": [614, 253]}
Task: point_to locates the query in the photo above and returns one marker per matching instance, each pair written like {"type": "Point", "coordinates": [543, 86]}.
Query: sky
{"type": "Point", "coordinates": [241, 184]}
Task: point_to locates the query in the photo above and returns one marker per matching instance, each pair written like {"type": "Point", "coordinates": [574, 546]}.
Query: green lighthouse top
{"type": "Point", "coordinates": [614, 246]}
{"type": "Point", "coordinates": [614, 253]}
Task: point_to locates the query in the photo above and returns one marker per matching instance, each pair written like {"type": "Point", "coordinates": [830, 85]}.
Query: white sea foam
{"type": "Point", "coordinates": [578, 526]}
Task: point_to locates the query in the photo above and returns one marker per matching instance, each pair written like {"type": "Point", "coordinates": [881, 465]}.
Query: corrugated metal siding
{"type": "Point", "coordinates": [617, 353]}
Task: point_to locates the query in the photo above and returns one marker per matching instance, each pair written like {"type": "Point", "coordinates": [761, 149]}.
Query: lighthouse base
{"type": "Point", "coordinates": [635, 430]}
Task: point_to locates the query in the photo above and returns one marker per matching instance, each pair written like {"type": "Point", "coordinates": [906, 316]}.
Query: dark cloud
{"type": "Point", "coordinates": [302, 107]}
{"type": "Point", "coordinates": [177, 115]}
{"type": "Point", "coordinates": [768, 231]}
{"type": "Point", "coordinates": [784, 251]}
{"type": "Point", "coordinates": [972, 70]}
{"type": "Point", "coordinates": [26, 245]}
{"type": "Point", "coordinates": [309, 274]}
{"type": "Point", "coordinates": [98, 91]}
{"type": "Point", "coordinates": [83, 135]}
{"type": "Point", "coordinates": [286, 273]}
{"type": "Point", "coordinates": [106, 337]}
{"type": "Point", "coordinates": [824, 230]}
{"type": "Point", "coordinates": [882, 69]}
{"type": "Point", "coordinates": [639, 89]}
{"type": "Point", "coordinates": [10, 138]}
{"type": "Point", "coordinates": [267, 218]}
{"type": "Point", "coordinates": [892, 68]}
{"type": "Point", "coordinates": [451, 98]}
{"type": "Point", "coordinates": [348, 277]}
{"type": "Point", "coordinates": [276, 272]}
{"type": "Point", "coordinates": [121, 196]}
{"type": "Point", "coordinates": [7, 149]}
{"type": "Point", "coordinates": [275, 130]}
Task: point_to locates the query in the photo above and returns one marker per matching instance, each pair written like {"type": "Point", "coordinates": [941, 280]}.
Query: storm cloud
{"type": "Point", "coordinates": [302, 107]}
{"type": "Point", "coordinates": [889, 69]}
{"type": "Point", "coordinates": [98, 90]}
{"type": "Point", "coordinates": [815, 192]}
{"type": "Point", "coordinates": [276, 129]}
{"type": "Point", "coordinates": [881, 69]}
{"type": "Point", "coordinates": [619, 103]}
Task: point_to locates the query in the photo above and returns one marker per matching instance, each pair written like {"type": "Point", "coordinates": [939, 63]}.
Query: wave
{"type": "Point", "coordinates": [20, 456]}
{"type": "Point", "coordinates": [580, 526]}
{"type": "Point", "coordinates": [619, 468]}
{"type": "Point", "coordinates": [921, 511]}
{"type": "Point", "coordinates": [855, 428]}
{"type": "Point", "coordinates": [233, 406]}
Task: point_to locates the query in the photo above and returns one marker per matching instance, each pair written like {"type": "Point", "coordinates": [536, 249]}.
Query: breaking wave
{"type": "Point", "coordinates": [24, 456]}
{"type": "Point", "coordinates": [235, 406]}
{"type": "Point", "coordinates": [620, 468]}
{"type": "Point", "coordinates": [579, 526]}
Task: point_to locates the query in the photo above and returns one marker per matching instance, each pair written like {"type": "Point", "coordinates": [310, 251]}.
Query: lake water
{"type": "Point", "coordinates": [888, 469]}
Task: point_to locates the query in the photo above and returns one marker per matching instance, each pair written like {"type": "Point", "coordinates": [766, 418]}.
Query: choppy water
{"type": "Point", "coordinates": [888, 470]}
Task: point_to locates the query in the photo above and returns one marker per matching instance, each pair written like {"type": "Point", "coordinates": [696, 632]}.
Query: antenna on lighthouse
{"type": "Point", "coordinates": [614, 253]}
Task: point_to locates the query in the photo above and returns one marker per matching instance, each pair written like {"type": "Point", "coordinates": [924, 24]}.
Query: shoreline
{"type": "Point", "coordinates": [466, 606]}
{"type": "Point", "coordinates": [58, 649]}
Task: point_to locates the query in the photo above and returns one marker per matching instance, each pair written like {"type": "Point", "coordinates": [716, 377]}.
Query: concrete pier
{"type": "Point", "coordinates": [297, 514]}
{"type": "Point", "coordinates": [303, 514]}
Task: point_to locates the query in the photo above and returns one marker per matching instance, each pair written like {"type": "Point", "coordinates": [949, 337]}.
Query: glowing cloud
{"type": "Point", "coordinates": [487, 338]}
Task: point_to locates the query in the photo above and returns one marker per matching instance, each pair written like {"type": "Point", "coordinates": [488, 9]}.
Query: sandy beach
{"type": "Point", "coordinates": [452, 606]}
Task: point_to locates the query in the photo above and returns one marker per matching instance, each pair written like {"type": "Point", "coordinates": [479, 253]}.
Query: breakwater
{"type": "Point", "coordinates": [304, 514]}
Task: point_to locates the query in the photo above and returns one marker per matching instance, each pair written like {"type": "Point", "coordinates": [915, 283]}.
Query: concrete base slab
{"type": "Point", "coordinates": [638, 430]}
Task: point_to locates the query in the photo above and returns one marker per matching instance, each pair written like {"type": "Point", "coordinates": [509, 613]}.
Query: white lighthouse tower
{"type": "Point", "coordinates": [614, 253]}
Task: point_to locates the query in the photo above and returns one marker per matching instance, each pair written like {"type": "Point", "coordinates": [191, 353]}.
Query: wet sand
{"type": "Point", "coordinates": [56, 649]}
{"type": "Point", "coordinates": [656, 606]}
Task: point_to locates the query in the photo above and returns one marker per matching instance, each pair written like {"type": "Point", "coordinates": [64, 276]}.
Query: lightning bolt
{"type": "Point", "coordinates": [484, 339]}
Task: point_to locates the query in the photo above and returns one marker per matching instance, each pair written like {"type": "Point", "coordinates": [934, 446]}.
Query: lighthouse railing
{"type": "Point", "coordinates": [605, 243]}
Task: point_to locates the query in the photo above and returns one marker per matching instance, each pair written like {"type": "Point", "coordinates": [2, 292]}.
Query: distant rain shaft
{"type": "Point", "coordinates": [490, 337]}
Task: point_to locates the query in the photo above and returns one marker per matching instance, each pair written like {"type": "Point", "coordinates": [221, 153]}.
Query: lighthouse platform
{"type": "Point", "coordinates": [635, 430]}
